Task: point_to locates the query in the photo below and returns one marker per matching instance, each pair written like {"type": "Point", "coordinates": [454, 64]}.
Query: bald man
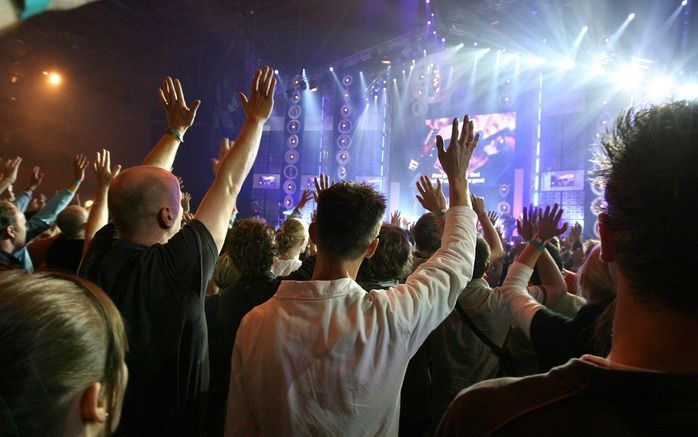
{"type": "Point", "coordinates": [156, 273]}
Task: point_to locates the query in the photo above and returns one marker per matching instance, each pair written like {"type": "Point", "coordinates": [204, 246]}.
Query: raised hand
{"type": "Point", "coordinates": [260, 102]}
{"type": "Point", "coordinates": [548, 222]}
{"type": "Point", "coordinates": [186, 202]}
{"type": "Point", "coordinates": [80, 163]}
{"type": "Point", "coordinates": [456, 158]}
{"type": "Point", "coordinates": [35, 179]}
{"type": "Point", "coordinates": [528, 226]}
{"type": "Point", "coordinates": [478, 204]}
{"type": "Point", "coordinates": [395, 218]}
{"type": "Point", "coordinates": [493, 216]}
{"type": "Point", "coordinates": [103, 169]}
{"type": "Point", "coordinates": [576, 233]}
{"type": "Point", "coordinates": [305, 197]}
{"type": "Point", "coordinates": [431, 198]}
{"type": "Point", "coordinates": [321, 185]}
{"type": "Point", "coordinates": [10, 170]}
{"type": "Point", "coordinates": [224, 147]}
{"type": "Point", "coordinates": [179, 116]}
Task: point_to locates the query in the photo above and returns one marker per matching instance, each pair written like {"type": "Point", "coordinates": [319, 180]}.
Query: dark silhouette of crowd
{"type": "Point", "coordinates": [138, 317]}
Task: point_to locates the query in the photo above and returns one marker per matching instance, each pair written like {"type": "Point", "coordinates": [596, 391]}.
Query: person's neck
{"type": "Point", "coordinates": [7, 246]}
{"type": "Point", "coordinates": [652, 338]}
{"type": "Point", "coordinates": [328, 269]}
{"type": "Point", "coordinates": [144, 239]}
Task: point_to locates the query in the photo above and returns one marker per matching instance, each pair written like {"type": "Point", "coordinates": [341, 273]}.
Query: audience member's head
{"type": "Point", "coordinates": [482, 258]}
{"type": "Point", "coordinates": [250, 245]}
{"type": "Point", "coordinates": [348, 220]}
{"type": "Point", "coordinates": [71, 221]}
{"type": "Point", "coordinates": [145, 204]}
{"type": "Point", "coordinates": [427, 233]}
{"type": "Point", "coordinates": [13, 227]}
{"type": "Point", "coordinates": [225, 274]}
{"type": "Point", "coordinates": [392, 259]}
{"type": "Point", "coordinates": [62, 346]}
{"type": "Point", "coordinates": [292, 237]}
{"type": "Point", "coordinates": [650, 176]}
{"type": "Point", "coordinates": [595, 283]}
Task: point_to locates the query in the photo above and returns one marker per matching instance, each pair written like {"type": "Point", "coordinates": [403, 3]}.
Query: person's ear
{"type": "Point", "coordinates": [92, 405]}
{"type": "Point", "coordinates": [312, 232]}
{"type": "Point", "coordinates": [372, 248]}
{"type": "Point", "coordinates": [9, 233]}
{"type": "Point", "coordinates": [607, 250]}
{"type": "Point", "coordinates": [166, 218]}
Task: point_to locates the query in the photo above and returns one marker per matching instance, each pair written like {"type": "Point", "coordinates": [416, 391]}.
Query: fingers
{"type": "Point", "coordinates": [440, 146]}
{"type": "Point", "coordinates": [255, 82]}
{"type": "Point", "coordinates": [179, 93]}
{"type": "Point", "coordinates": [116, 170]}
{"type": "Point", "coordinates": [438, 184]}
{"type": "Point", "coordinates": [194, 106]}
{"type": "Point", "coordinates": [467, 129]}
{"type": "Point", "coordinates": [421, 201]}
{"type": "Point", "coordinates": [454, 131]}
{"type": "Point", "coordinates": [171, 93]}
{"type": "Point", "coordinates": [317, 184]}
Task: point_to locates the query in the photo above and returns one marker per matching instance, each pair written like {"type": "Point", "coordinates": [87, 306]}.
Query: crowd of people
{"type": "Point", "coordinates": [142, 318]}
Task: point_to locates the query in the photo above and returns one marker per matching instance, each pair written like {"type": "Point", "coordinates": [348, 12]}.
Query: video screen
{"type": "Point", "coordinates": [491, 162]}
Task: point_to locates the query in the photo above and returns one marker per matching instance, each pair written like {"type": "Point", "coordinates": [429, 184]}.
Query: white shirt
{"type": "Point", "coordinates": [328, 358]}
{"type": "Point", "coordinates": [284, 267]}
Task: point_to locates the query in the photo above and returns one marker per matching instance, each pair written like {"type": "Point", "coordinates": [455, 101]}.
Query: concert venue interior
{"type": "Point", "coordinates": [364, 88]}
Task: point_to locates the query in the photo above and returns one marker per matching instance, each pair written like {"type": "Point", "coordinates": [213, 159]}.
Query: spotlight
{"type": "Point", "coordinates": [567, 64]}
{"type": "Point", "coordinates": [276, 72]}
{"type": "Point", "coordinates": [585, 29]}
{"type": "Point", "coordinates": [631, 17]}
{"type": "Point", "coordinates": [688, 92]}
{"type": "Point", "coordinates": [331, 70]}
{"type": "Point", "coordinates": [54, 78]}
{"type": "Point", "coordinates": [684, 2]}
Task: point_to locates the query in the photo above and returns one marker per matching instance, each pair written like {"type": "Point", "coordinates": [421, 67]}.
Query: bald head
{"type": "Point", "coordinates": [145, 200]}
{"type": "Point", "coordinates": [71, 221]}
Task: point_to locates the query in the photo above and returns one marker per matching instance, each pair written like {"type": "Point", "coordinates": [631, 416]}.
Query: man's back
{"type": "Point", "coordinates": [328, 358]}
{"type": "Point", "coordinates": [584, 397]}
{"type": "Point", "coordinates": [160, 291]}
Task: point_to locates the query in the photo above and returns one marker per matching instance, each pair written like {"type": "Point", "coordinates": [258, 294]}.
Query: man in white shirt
{"type": "Point", "coordinates": [326, 357]}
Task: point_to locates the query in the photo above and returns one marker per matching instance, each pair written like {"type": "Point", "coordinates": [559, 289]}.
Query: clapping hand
{"type": "Point", "coordinates": [432, 198]}
{"type": "Point", "coordinates": [179, 116]}
{"type": "Point", "coordinates": [259, 104]}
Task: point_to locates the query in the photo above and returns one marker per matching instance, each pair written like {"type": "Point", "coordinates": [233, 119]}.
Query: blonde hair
{"type": "Point", "coordinates": [291, 234]}
{"type": "Point", "coordinates": [58, 335]}
{"type": "Point", "coordinates": [225, 274]}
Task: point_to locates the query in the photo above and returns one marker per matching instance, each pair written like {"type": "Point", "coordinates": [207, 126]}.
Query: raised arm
{"type": "Point", "coordinates": [219, 201]}
{"type": "Point", "coordinates": [180, 117]}
{"type": "Point", "coordinates": [9, 173]}
{"type": "Point", "coordinates": [99, 213]}
{"type": "Point", "coordinates": [24, 199]}
{"type": "Point", "coordinates": [489, 232]}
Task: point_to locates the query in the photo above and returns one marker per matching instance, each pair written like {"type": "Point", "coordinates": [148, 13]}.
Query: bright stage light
{"type": "Point", "coordinates": [331, 70]}
{"type": "Point", "coordinates": [276, 72]}
{"type": "Point", "coordinates": [54, 78]}
{"type": "Point", "coordinates": [566, 64]}
{"type": "Point", "coordinates": [536, 60]}
{"type": "Point", "coordinates": [684, 2]}
{"type": "Point", "coordinates": [660, 87]}
{"type": "Point", "coordinates": [585, 29]}
{"type": "Point", "coordinates": [631, 17]}
{"type": "Point", "coordinates": [628, 77]}
{"type": "Point", "coordinates": [688, 92]}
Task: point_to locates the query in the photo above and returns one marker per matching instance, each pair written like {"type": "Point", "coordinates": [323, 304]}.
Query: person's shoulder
{"type": "Point", "coordinates": [485, 407]}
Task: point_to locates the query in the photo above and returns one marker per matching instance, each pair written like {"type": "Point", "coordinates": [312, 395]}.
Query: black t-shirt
{"type": "Point", "coordinates": [64, 254]}
{"type": "Point", "coordinates": [556, 338]}
{"type": "Point", "coordinates": [160, 292]}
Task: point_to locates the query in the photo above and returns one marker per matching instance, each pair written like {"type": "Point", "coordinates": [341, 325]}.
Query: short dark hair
{"type": "Point", "coordinates": [482, 255]}
{"type": "Point", "coordinates": [649, 172]}
{"type": "Point", "coordinates": [393, 257]}
{"type": "Point", "coordinates": [348, 218]}
{"type": "Point", "coordinates": [8, 216]}
{"type": "Point", "coordinates": [427, 233]}
{"type": "Point", "coordinates": [71, 221]}
{"type": "Point", "coordinates": [250, 245]}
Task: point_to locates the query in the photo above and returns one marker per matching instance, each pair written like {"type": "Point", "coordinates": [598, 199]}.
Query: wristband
{"type": "Point", "coordinates": [175, 133]}
{"type": "Point", "coordinates": [440, 213]}
{"type": "Point", "coordinates": [77, 181]}
{"type": "Point", "coordinates": [537, 243]}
